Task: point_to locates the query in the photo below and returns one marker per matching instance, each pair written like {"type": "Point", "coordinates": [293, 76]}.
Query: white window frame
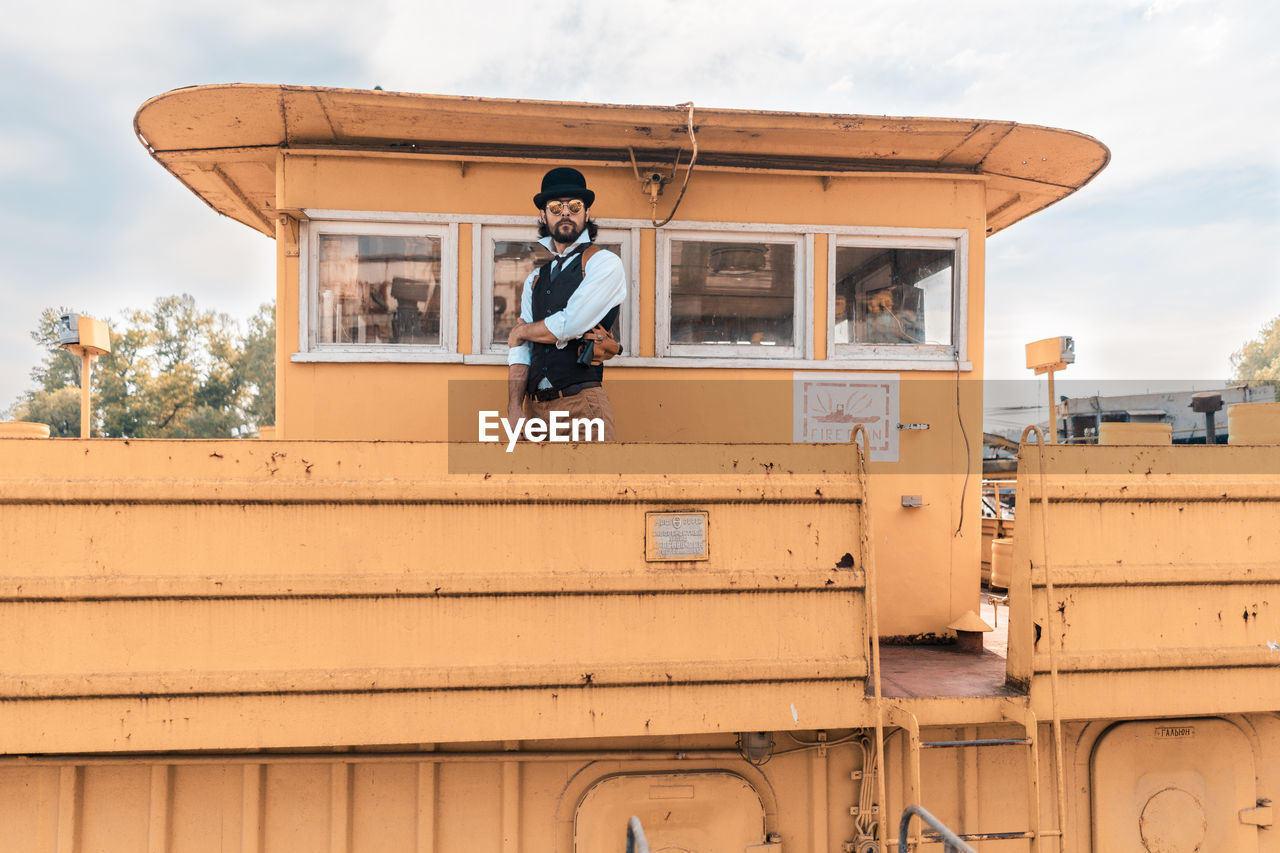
{"type": "Point", "coordinates": [483, 236]}
{"type": "Point", "coordinates": [953, 240]}
{"type": "Point", "coordinates": [898, 357]}
{"type": "Point", "coordinates": [748, 354]}
{"type": "Point", "coordinates": [310, 349]}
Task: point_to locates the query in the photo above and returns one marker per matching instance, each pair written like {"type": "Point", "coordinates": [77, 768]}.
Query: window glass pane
{"type": "Point", "coordinates": [513, 261]}
{"type": "Point", "coordinates": [379, 290]}
{"type": "Point", "coordinates": [893, 296]}
{"type": "Point", "coordinates": [732, 293]}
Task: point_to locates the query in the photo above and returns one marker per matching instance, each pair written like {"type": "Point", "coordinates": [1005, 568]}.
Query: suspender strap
{"type": "Point", "coordinates": [587, 251]}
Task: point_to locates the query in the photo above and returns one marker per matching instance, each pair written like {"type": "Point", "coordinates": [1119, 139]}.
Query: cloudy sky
{"type": "Point", "coordinates": [1160, 268]}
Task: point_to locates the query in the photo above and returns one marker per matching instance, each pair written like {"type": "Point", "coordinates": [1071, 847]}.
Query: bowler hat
{"type": "Point", "coordinates": [563, 182]}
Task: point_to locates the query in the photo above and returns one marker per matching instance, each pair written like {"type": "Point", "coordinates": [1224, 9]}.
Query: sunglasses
{"type": "Point", "coordinates": [555, 208]}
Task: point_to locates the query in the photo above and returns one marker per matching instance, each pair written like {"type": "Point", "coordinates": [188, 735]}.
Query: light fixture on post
{"type": "Point", "coordinates": [1207, 403]}
{"type": "Point", "coordinates": [1047, 356]}
{"type": "Point", "coordinates": [87, 338]}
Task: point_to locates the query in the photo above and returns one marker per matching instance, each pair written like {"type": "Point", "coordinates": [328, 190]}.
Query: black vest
{"type": "Point", "coordinates": [560, 367]}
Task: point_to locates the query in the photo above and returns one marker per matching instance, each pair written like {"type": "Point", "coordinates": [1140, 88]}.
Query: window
{"type": "Point", "coordinates": [509, 254]}
{"type": "Point", "coordinates": [380, 288]}
{"type": "Point", "coordinates": [732, 295]}
{"type": "Point", "coordinates": [895, 297]}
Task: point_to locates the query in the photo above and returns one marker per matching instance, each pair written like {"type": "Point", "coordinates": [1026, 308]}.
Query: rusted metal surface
{"type": "Point", "coordinates": [1165, 564]}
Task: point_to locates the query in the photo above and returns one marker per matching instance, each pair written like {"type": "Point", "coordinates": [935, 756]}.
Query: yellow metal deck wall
{"type": "Point", "coordinates": [282, 595]}
{"type": "Point", "coordinates": [1165, 563]}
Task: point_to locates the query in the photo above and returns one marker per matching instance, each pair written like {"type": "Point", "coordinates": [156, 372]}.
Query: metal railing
{"type": "Point", "coordinates": [636, 842]}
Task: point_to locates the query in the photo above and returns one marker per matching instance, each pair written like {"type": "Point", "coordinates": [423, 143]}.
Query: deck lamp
{"type": "Point", "coordinates": [1047, 356]}
{"type": "Point", "coordinates": [87, 338]}
{"type": "Point", "coordinates": [1207, 403]}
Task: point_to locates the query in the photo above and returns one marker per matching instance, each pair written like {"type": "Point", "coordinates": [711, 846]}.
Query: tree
{"type": "Point", "coordinates": [59, 409]}
{"type": "Point", "coordinates": [1258, 360]}
{"type": "Point", "coordinates": [256, 366]}
{"type": "Point", "coordinates": [174, 371]}
{"type": "Point", "coordinates": [170, 362]}
{"type": "Point", "coordinates": [58, 368]}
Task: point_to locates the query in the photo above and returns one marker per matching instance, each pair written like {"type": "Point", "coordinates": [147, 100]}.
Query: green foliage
{"type": "Point", "coordinates": [59, 409]}
{"type": "Point", "coordinates": [59, 368]}
{"type": "Point", "coordinates": [174, 371]}
{"type": "Point", "coordinates": [257, 365]}
{"type": "Point", "coordinates": [1258, 361]}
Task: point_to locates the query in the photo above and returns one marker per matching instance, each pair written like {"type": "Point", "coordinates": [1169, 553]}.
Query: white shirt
{"type": "Point", "coordinates": [604, 285]}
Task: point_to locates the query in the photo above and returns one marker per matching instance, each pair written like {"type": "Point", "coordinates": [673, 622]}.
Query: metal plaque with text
{"type": "Point", "coordinates": [676, 536]}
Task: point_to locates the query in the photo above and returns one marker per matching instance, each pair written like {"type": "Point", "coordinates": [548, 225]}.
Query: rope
{"type": "Point", "coordinates": [694, 140]}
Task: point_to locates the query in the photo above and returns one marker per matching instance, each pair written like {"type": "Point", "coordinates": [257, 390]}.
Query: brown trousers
{"type": "Point", "coordinates": [587, 403]}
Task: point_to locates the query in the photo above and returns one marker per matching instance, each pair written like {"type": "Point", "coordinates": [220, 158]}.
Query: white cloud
{"type": "Point", "coordinates": [84, 41]}
{"type": "Point", "coordinates": [1148, 303]}
{"type": "Point", "coordinates": [969, 58]}
{"type": "Point", "coordinates": [1174, 87]}
{"type": "Point", "coordinates": [1163, 7]}
{"type": "Point", "coordinates": [26, 152]}
{"type": "Point", "coordinates": [168, 244]}
{"type": "Point", "coordinates": [1165, 84]}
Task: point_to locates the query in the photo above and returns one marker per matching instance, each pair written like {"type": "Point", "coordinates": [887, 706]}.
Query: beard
{"type": "Point", "coordinates": [566, 232]}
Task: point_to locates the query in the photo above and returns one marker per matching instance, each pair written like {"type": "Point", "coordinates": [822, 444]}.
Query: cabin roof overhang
{"type": "Point", "coordinates": [221, 141]}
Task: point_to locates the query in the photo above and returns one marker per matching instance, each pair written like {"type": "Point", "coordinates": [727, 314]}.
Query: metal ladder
{"type": "Point", "coordinates": [905, 720]}
{"type": "Point", "coordinates": [1012, 711]}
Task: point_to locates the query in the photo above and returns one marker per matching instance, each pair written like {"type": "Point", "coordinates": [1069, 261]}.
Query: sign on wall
{"type": "Point", "coordinates": [827, 406]}
{"type": "Point", "coordinates": [676, 536]}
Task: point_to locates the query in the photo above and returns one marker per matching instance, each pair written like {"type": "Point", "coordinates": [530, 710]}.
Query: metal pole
{"type": "Point", "coordinates": [866, 549]}
{"type": "Point", "coordinates": [1053, 412]}
{"type": "Point", "coordinates": [86, 369]}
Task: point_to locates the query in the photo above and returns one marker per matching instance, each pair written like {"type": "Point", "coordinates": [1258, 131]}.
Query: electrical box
{"type": "Point", "coordinates": [1051, 353]}
{"type": "Point", "coordinates": [83, 335]}
{"type": "Point", "coordinates": [68, 329]}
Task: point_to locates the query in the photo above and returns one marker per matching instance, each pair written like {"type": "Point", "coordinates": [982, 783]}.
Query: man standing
{"type": "Point", "coordinates": [570, 301]}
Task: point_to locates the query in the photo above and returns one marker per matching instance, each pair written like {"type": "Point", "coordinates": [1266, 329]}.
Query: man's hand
{"type": "Point", "coordinates": [536, 332]}
{"type": "Point", "coordinates": [514, 339]}
{"type": "Point", "coordinates": [606, 347]}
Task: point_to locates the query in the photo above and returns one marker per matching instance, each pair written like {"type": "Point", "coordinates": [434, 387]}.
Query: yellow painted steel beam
{"type": "Point", "coordinates": [1162, 574]}
{"type": "Point", "coordinates": [280, 721]}
{"type": "Point", "coordinates": [372, 679]}
{"type": "Point", "coordinates": [437, 584]}
{"type": "Point", "coordinates": [1220, 657]}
